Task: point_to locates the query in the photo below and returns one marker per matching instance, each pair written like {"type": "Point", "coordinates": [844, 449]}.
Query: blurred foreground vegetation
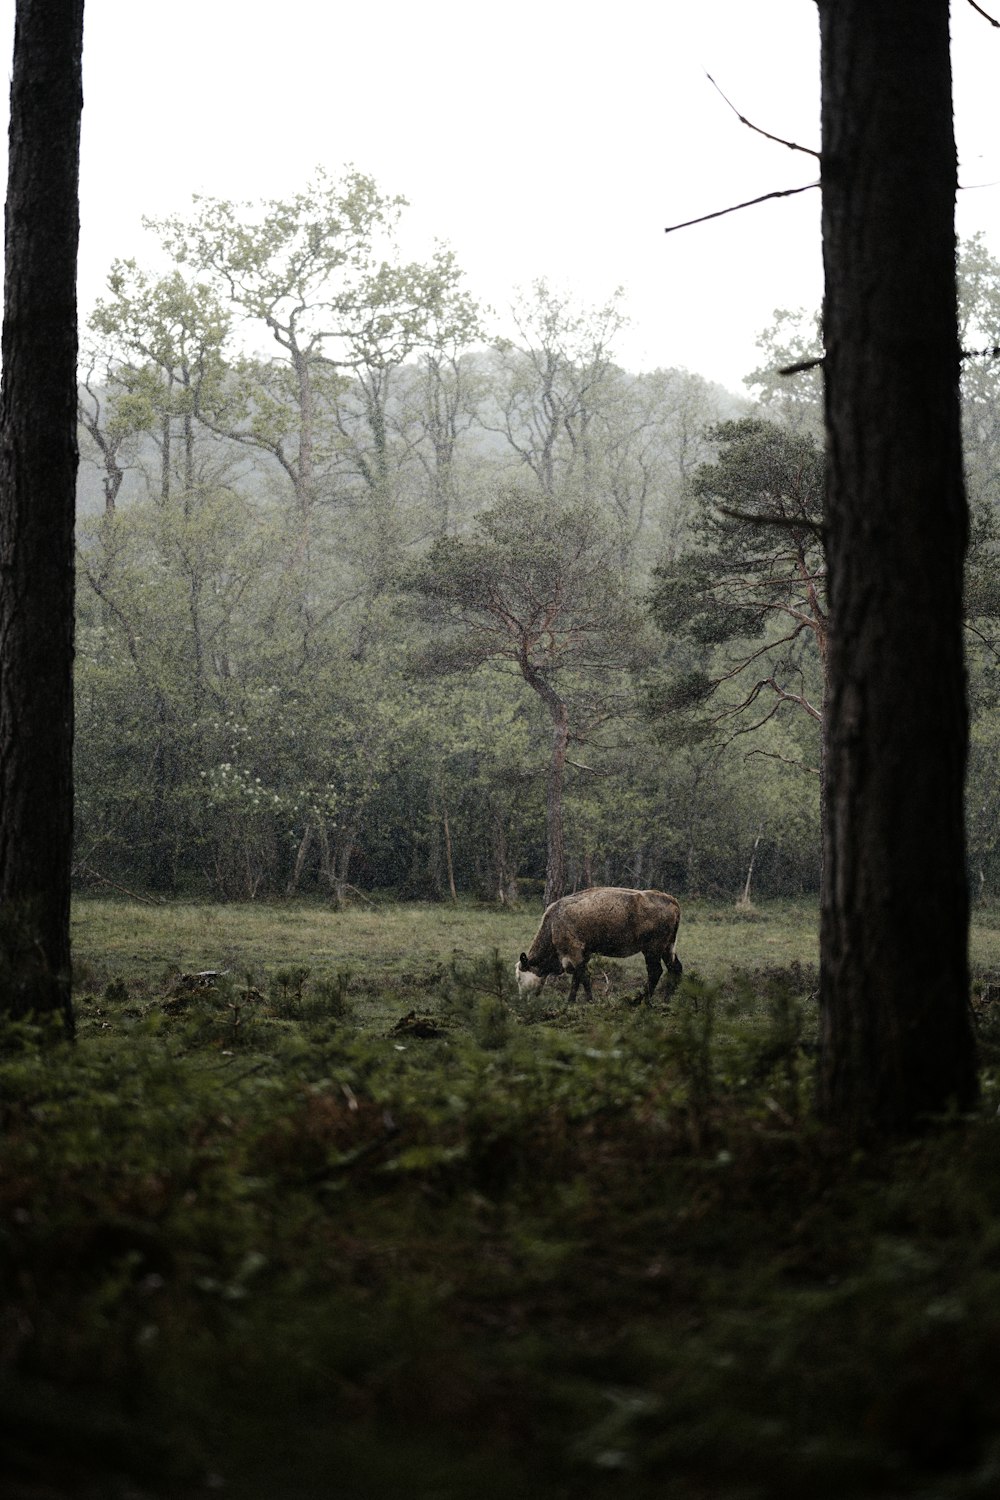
{"type": "Point", "coordinates": [318, 1205]}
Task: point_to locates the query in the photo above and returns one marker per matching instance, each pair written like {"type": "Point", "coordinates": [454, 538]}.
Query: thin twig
{"type": "Point", "coordinates": [579, 766]}
{"type": "Point", "coordinates": [86, 869]}
{"type": "Point", "coordinates": [820, 359]}
{"type": "Point", "coordinates": [787, 760]}
{"type": "Point", "coordinates": [778, 139]}
{"type": "Point", "coordinates": [735, 208]}
{"type": "Point", "coordinates": [985, 17]}
{"type": "Point", "coordinates": [354, 888]}
{"type": "Point", "coordinates": [983, 638]}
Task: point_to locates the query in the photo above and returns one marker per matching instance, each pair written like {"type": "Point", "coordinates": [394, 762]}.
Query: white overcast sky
{"type": "Point", "coordinates": [546, 138]}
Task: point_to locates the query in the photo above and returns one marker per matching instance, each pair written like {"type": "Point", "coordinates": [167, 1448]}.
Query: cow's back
{"type": "Point", "coordinates": [615, 921]}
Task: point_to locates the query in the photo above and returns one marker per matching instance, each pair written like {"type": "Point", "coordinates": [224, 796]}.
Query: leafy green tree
{"type": "Point", "coordinates": [752, 589]}
{"type": "Point", "coordinates": [166, 642]}
{"type": "Point", "coordinates": [651, 435]}
{"type": "Point", "coordinates": [461, 805]}
{"type": "Point", "coordinates": [344, 317]}
{"type": "Point", "coordinates": [979, 334]}
{"type": "Point", "coordinates": [538, 591]}
{"type": "Point", "coordinates": [794, 400]}
{"type": "Point", "coordinates": [109, 427]}
{"type": "Point", "coordinates": [293, 772]}
{"type": "Point", "coordinates": [436, 416]}
{"type": "Point", "coordinates": [165, 340]}
{"type": "Point", "coordinates": [550, 385]}
{"type": "Point", "coordinates": [299, 267]}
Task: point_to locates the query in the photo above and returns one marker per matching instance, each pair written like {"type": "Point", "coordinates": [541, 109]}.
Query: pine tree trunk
{"type": "Point", "coordinates": [38, 460]}
{"type": "Point", "coordinates": [897, 1045]}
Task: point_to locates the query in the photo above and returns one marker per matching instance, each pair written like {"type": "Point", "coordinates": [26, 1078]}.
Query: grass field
{"type": "Point", "coordinates": [354, 1220]}
{"type": "Point", "coordinates": [118, 938]}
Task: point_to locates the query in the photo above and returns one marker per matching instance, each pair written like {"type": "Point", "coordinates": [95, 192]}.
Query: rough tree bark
{"type": "Point", "coordinates": [38, 461]}
{"type": "Point", "coordinates": [897, 1045]}
{"type": "Point", "coordinates": [555, 863]}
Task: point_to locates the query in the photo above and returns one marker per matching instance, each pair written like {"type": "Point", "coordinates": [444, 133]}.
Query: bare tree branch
{"type": "Point", "coordinates": [983, 638]}
{"type": "Point", "coordinates": [803, 364]}
{"type": "Point", "coordinates": [748, 661]}
{"type": "Point", "coordinates": [779, 140]}
{"type": "Point", "coordinates": [81, 867]}
{"type": "Point", "coordinates": [790, 523]}
{"type": "Point", "coordinates": [985, 17]}
{"type": "Point", "coordinates": [579, 766]}
{"type": "Point", "coordinates": [735, 208]}
{"type": "Point", "coordinates": [817, 362]}
{"type": "Point", "coordinates": [787, 760]}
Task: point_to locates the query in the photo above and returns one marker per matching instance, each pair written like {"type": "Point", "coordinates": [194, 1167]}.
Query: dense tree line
{"type": "Point", "coordinates": [367, 600]}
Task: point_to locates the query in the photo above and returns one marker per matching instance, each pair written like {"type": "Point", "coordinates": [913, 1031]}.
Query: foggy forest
{"type": "Point", "coordinates": [336, 550]}
{"type": "Point", "coordinates": [499, 858]}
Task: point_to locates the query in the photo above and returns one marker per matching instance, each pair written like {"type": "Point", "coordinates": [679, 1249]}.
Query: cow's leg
{"type": "Point", "coordinates": [580, 976]}
{"type": "Point", "coordinates": [574, 961]}
{"type": "Point", "coordinates": [654, 969]}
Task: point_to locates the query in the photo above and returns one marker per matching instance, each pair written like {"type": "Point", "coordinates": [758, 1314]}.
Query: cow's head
{"type": "Point", "coordinates": [528, 982]}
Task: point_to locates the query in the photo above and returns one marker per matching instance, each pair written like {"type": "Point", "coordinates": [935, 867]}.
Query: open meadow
{"type": "Point", "coordinates": [318, 1205]}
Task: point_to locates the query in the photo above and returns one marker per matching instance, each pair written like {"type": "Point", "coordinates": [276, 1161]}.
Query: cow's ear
{"type": "Point", "coordinates": [523, 960]}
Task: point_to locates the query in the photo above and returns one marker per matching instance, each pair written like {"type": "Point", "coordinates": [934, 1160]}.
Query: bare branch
{"type": "Point", "coordinates": [748, 661]}
{"type": "Point", "coordinates": [985, 17]}
{"type": "Point", "coordinates": [743, 729]}
{"type": "Point", "coordinates": [787, 760]}
{"type": "Point", "coordinates": [735, 208]}
{"type": "Point", "coordinates": [81, 867]}
{"type": "Point", "coordinates": [815, 364]}
{"type": "Point", "coordinates": [779, 140]}
{"type": "Point", "coordinates": [983, 639]}
{"type": "Point", "coordinates": [579, 766]}
{"type": "Point", "coordinates": [790, 523]}
{"type": "Point", "coordinates": [799, 698]}
{"type": "Point", "coordinates": [803, 364]}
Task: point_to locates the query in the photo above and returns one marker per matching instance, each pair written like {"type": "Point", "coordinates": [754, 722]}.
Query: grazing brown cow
{"type": "Point", "coordinates": [610, 920]}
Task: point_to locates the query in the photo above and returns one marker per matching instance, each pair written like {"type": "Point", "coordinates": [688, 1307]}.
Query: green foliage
{"type": "Point", "coordinates": [747, 605]}
{"type": "Point", "coordinates": [541, 575]}
{"type": "Point", "coordinates": [249, 721]}
{"type": "Point", "coordinates": [794, 338]}
{"type": "Point", "coordinates": [757, 557]}
{"type": "Point", "coordinates": [473, 1249]}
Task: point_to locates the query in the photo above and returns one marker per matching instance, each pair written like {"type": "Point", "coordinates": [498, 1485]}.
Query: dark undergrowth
{"type": "Point", "coordinates": [481, 1247]}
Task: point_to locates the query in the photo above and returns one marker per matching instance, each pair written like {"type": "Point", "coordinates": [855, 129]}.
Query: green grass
{"type": "Point", "coordinates": [385, 1229]}
{"type": "Point", "coordinates": [401, 941]}
{"type": "Point", "coordinates": [411, 939]}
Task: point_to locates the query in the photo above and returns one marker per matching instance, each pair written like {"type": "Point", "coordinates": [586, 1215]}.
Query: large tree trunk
{"type": "Point", "coordinates": [38, 460]}
{"type": "Point", "coordinates": [897, 1044]}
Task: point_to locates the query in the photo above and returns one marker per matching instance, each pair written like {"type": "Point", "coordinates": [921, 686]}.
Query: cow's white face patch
{"type": "Point", "coordinates": [527, 982]}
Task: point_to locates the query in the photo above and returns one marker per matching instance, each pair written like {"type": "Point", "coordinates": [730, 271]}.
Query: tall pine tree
{"type": "Point", "coordinates": [897, 1044]}
{"type": "Point", "coordinates": [38, 459]}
